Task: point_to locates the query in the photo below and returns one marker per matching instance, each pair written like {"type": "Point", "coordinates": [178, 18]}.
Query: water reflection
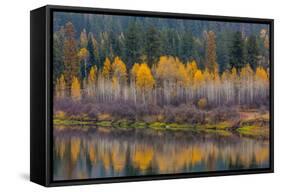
{"type": "Point", "coordinates": [101, 152]}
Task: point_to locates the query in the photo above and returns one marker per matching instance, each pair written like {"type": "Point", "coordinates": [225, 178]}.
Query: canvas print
{"type": "Point", "coordinates": [142, 96]}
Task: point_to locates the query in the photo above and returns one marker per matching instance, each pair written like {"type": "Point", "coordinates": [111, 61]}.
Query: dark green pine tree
{"type": "Point", "coordinates": [186, 51]}
{"type": "Point", "coordinates": [132, 44]}
{"type": "Point", "coordinates": [58, 40]}
{"type": "Point", "coordinates": [90, 48]}
{"type": "Point", "coordinates": [152, 45]}
{"type": "Point", "coordinates": [223, 43]}
{"type": "Point", "coordinates": [236, 54]}
{"type": "Point", "coordinates": [252, 51]}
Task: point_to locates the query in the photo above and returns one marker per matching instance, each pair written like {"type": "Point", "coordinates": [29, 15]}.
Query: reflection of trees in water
{"type": "Point", "coordinates": [103, 154]}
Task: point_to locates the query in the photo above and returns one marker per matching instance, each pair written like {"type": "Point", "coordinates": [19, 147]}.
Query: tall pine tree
{"type": "Point", "coordinates": [252, 52]}
{"type": "Point", "coordinates": [237, 51]}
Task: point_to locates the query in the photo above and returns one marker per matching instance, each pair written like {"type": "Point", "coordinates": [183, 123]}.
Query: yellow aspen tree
{"type": "Point", "coordinates": [144, 80]}
{"type": "Point", "coordinates": [182, 75]}
{"type": "Point", "coordinates": [119, 69]}
{"type": "Point", "coordinates": [225, 76]}
{"type": "Point", "coordinates": [92, 75]}
{"type": "Point", "coordinates": [164, 68]}
{"type": "Point", "coordinates": [75, 89]}
{"type": "Point", "coordinates": [233, 74]}
{"type": "Point", "coordinates": [83, 55]}
{"type": "Point", "coordinates": [133, 79]}
{"type": "Point", "coordinates": [198, 78]}
{"type": "Point", "coordinates": [262, 82]}
{"type": "Point", "coordinates": [106, 71]}
{"type": "Point", "coordinates": [91, 80]}
{"type": "Point", "coordinates": [247, 84]}
{"type": "Point", "coordinates": [191, 69]}
{"type": "Point", "coordinates": [261, 74]}
{"type": "Point", "coordinates": [207, 76]}
{"type": "Point", "coordinates": [60, 87]}
{"type": "Point", "coordinates": [246, 72]}
{"type": "Point", "coordinates": [134, 70]}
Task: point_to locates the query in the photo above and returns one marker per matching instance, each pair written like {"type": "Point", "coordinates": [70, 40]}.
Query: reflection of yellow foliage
{"type": "Point", "coordinates": [118, 159]}
{"type": "Point", "coordinates": [142, 157]}
{"type": "Point", "coordinates": [105, 158]}
{"type": "Point", "coordinates": [61, 149]}
{"type": "Point", "coordinates": [262, 155]}
{"type": "Point", "coordinates": [92, 154]}
{"type": "Point", "coordinates": [196, 155]}
{"type": "Point", "coordinates": [163, 163]}
{"type": "Point", "coordinates": [75, 148]}
{"type": "Point", "coordinates": [182, 158]}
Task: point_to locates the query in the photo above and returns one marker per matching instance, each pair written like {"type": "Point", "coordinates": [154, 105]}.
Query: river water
{"type": "Point", "coordinates": [103, 152]}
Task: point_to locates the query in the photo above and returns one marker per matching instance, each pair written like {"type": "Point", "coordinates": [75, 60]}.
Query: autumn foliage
{"type": "Point", "coordinates": [168, 81]}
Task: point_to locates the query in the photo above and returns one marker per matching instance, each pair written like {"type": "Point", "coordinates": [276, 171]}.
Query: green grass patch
{"type": "Point", "coordinates": [253, 131]}
{"type": "Point", "coordinates": [70, 122]}
{"type": "Point", "coordinates": [221, 126]}
{"type": "Point", "coordinates": [157, 125]}
{"type": "Point", "coordinates": [218, 132]}
{"type": "Point", "coordinates": [103, 123]}
{"type": "Point", "coordinates": [139, 125]}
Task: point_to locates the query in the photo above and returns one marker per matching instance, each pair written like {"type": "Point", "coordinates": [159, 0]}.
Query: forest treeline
{"type": "Point", "coordinates": [140, 40]}
{"type": "Point", "coordinates": [159, 74]}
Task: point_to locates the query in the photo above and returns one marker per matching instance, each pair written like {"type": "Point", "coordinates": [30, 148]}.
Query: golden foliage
{"type": "Point", "coordinates": [119, 69]}
{"type": "Point", "coordinates": [198, 78]}
{"type": "Point", "coordinates": [75, 89]}
{"type": "Point", "coordinates": [166, 68]}
{"type": "Point", "coordinates": [92, 75]}
{"type": "Point", "coordinates": [191, 69]}
{"type": "Point", "coordinates": [106, 70]}
{"type": "Point", "coordinates": [83, 53]}
{"type": "Point", "coordinates": [135, 70]}
{"type": "Point", "coordinates": [144, 79]}
{"type": "Point", "coordinates": [246, 72]}
{"type": "Point", "coordinates": [60, 87]}
{"type": "Point", "coordinates": [261, 74]}
{"type": "Point", "coordinates": [182, 75]}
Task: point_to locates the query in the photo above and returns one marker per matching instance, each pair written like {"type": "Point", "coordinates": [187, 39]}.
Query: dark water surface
{"type": "Point", "coordinates": [104, 152]}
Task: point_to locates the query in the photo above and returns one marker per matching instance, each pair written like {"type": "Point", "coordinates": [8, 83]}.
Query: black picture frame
{"type": "Point", "coordinates": [41, 143]}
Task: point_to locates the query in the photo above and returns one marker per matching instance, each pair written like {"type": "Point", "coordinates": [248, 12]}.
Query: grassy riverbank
{"type": "Point", "coordinates": [250, 124]}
